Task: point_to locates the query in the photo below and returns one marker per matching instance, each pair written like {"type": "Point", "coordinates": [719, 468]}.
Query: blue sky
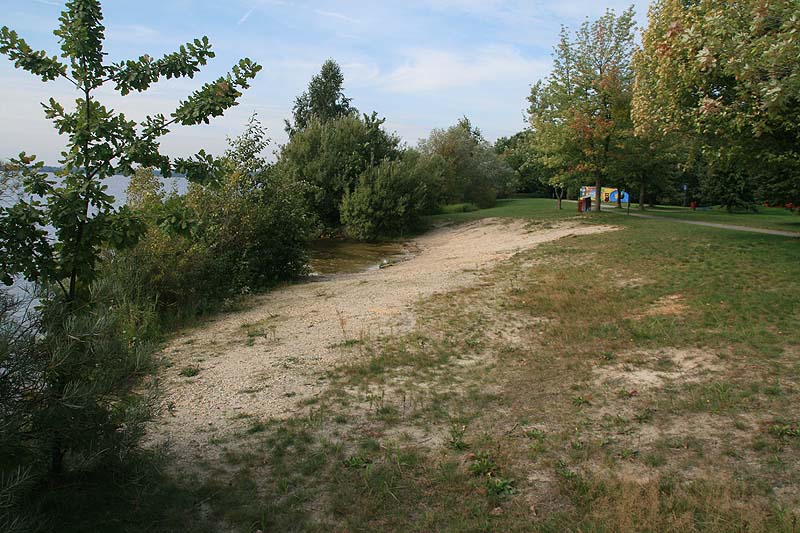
{"type": "Point", "coordinates": [422, 64]}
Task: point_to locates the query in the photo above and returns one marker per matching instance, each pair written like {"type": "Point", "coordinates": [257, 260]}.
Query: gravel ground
{"type": "Point", "coordinates": [261, 362]}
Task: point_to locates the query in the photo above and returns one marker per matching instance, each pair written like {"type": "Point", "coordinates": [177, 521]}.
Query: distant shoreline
{"type": "Point", "coordinates": [53, 170]}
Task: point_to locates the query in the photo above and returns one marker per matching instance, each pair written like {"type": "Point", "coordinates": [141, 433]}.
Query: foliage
{"type": "Point", "coordinates": [581, 114]}
{"type": "Point", "coordinates": [332, 155]}
{"type": "Point", "coordinates": [473, 172]}
{"type": "Point", "coordinates": [85, 382]}
{"type": "Point", "coordinates": [102, 143]}
{"type": "Point", "coordinates": [650, 165]}
{"type": "Point", "coordinates": [247, 232]}
{"type": "Point", "coordinates": [726, 76]}
{"type": "Point", "coordinates": [68, 387]}
{"type": "Point", "coordinates": [518, 152]}
{"type": "Point", "coordinates": [10, 183]}
{"type": "Point", "coordinates": [390, 198]}
{"type": "Point", "coordinates": [323, 101]}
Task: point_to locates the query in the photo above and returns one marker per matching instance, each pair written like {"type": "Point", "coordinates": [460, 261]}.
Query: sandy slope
{"type": "Point", "coordinates": [262, 361]}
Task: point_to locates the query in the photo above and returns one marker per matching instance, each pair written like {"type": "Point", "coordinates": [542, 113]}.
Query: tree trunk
{"type": "Point", "coordinates": [597, 191]}
{"type": "Point", "coordinates": [641, 195]}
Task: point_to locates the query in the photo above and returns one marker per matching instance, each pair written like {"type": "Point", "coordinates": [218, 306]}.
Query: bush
{"type": "Point", "coordinates": [458, 208]}
{"type": "Point", "coordinates": [246, 233]}
{"type": "Point", "coordinates": [472, 171]}
{"type": "Point", "coordinates": [256, 229]}
{"type": "Point", "coordinates": [482, 193]}
{"type": "Point", "coordinates": [388, 201]}
{"type": "Point", "coordinates": [332, 155]}
{"type": "Point", "coordinates": [71, 391]}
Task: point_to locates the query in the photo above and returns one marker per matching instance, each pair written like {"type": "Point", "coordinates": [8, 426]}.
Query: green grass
{"type": "Point", "coordinates": [189, 371]}
{"type": "Point", "coordinates": [458, 208]}
{"type": "Point", "coordinates": [766, 217]}
{"type": "Point", "coordinates": [550, 427]}
{"type": "Point", "coordinates": [544, 209]}
{"type": "Point", "coordinates": [531, 208]}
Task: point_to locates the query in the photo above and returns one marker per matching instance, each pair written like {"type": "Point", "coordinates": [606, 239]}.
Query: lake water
{"type": "Point", "coordinates": [117, 185]}
{"type": "Point", "coordinates": [341, 256]}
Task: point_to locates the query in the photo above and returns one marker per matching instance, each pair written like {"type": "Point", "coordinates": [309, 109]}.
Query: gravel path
{"type": "Point", "coordinates": [261, 362]}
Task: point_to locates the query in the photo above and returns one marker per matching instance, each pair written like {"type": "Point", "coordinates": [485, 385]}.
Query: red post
{"type": "Point", "coordinates": [693, 205]}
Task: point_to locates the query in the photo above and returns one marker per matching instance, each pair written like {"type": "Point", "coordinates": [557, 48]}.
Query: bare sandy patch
{"type": "Point", "coordinates": [261, 362]}
{"type": "Point", "coordinates": [655, 368]}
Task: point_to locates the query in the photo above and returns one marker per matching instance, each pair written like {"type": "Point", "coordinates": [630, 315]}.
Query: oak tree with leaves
{"type": "Point", "coordinates": [101, 143]}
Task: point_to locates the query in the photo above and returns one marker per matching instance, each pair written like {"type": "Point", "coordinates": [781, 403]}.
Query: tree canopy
{"type": "Point", "coordinates": [581, 113]}
{"type": "Point", "coordinates": [324, 100]}
{"type": "Point", "coordinates": [725, 75]}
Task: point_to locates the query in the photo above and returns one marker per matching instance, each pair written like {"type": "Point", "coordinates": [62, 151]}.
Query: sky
{"type": "Point", "coordinates": [421, 64]}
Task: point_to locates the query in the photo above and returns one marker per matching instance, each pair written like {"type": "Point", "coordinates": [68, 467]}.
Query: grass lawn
{"type": "Point", "coordinates": [767, 217]}
{"type": "Point", "coordinates": [538, 208]}
{"type": "Point", "coordinates": [645, 379]}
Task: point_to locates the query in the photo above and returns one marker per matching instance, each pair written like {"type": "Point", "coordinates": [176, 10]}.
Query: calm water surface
{"type": "Point", "coordinates": [341, 256]}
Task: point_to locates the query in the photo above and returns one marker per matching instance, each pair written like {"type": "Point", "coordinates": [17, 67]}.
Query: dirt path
{"type": "Point", "coordinates": [261, 362]}
{"type": "Point", "coordinates": [732, 227]}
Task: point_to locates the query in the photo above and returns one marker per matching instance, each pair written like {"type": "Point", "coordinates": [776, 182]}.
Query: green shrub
{"type": "Point", "coordinates": [388, 201]}
{"type": "Point", "coordinates": [472, 171]}
{"type": "Point", "coordinates": [332, 155]}
{"type": "Point", "coordinates": [72, 384]}
{"type": "Point", "coordinates": [246, 231]}
{"type": "Point", "coordinates": [481, 192]}
{"type": "Point", "coordinates": [458, 208]}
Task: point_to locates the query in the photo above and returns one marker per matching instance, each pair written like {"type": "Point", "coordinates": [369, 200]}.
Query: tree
{"type": "Point", "coordinates": [332, 155]}
{"type": "Point", "coordinates": [650, 166]}
{"type": "Point", "coordinates": [726, 75]}
{"type": "Point", "coordinates": [390, 198]}
{"type": "Point", "coordinates": [101, 143]}
{"type": "Point", "coordinates": [553, 145]}
{"type": "Point", "coordinates": [473, 171]}
{"type": "Point", "coordinates": [324, 100]}
{"type": "Point", "coordinates": [585, 102]}
{"type": "Point", "coordinates": [519, 154]}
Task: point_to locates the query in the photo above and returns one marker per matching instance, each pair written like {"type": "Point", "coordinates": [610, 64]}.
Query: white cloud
{"type": "Point", "coordinates": [246, 16]}
{"type": "Point", "coordinates": [335, 15]}
{"type": "Point", "coordinates": [434, 70]}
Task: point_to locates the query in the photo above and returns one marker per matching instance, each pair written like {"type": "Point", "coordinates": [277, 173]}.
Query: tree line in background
{"type": "Point", "coordinates": [364, 182]}
{"type": "Point", "coordinates": [708, 103]}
